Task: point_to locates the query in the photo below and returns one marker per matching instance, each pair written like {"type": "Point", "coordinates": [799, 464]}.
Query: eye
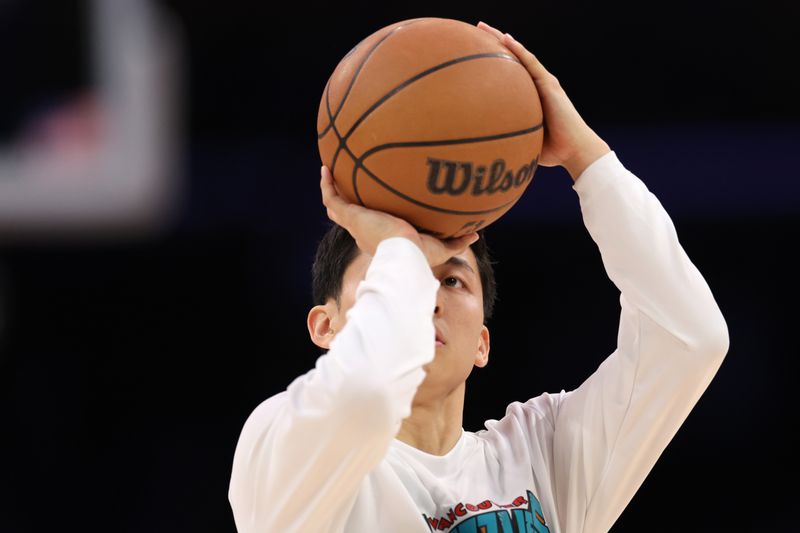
{"type": "Point", "coordinates": [452, 281]}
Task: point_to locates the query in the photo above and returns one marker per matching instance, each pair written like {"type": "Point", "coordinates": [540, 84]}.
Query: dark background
{"type": "Point", "coordinates": [128, 368]}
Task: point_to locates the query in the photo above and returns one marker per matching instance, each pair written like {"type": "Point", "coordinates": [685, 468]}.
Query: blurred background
{"type": "Point", "coordinates": [159, 211]}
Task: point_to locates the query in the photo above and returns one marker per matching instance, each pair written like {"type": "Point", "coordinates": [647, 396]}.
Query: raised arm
{"type": "Point", "coordinates": [672, 338]}
{"type": "Point", "coordinates": [608, 433]}
{"type": "Point", "coordinates": [303, 454]}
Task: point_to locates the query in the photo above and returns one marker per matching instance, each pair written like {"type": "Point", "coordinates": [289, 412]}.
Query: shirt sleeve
{"type": "Point", "coordinates": [608, 433]}
{"type": "Point", "coordinates": [303, 453]}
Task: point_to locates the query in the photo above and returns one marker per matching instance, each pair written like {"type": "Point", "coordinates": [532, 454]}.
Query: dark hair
{"type": "Point", "coordinates": [338, 249]}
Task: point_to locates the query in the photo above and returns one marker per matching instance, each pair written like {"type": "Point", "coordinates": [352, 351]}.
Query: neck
{"type": "Point", "coordinates": [434, 426]}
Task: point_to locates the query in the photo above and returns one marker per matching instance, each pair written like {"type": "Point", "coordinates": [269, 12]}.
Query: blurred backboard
{"type": "Point", "coordinates": [90, 145]}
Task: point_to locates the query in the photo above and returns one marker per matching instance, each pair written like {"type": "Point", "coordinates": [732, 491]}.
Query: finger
{"type": "Point", "coordinates": [340, 210]}
{"type": "Point", "coordinates": [494, 31]}
{"type": "Point", "coordinates": [534, 66]}
{"type": "Point", "coordinates": [459, 244]}
{"type": "Point", "coordinates": [330, 197]}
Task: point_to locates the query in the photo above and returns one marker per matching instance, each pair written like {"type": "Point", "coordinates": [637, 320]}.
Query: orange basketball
{"type": "Point", "coordinates": [434, 121]}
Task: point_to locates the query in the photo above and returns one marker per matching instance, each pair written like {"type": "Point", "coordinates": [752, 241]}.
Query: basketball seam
{"type": "Point", "coordinates": [338, 137]}
{"type": "Point", "coordinates": [360, 164]}
{"type": "Point", "coordinates": [446, 142]}
{"type": "Point", "coordinates": [410, 199]}
{"type": "Point", "coordinates": [333, 117]}
{"type": "Point", "coordinates": [419, 76]}
{"type": "Point", "coordinates": [428, 206]}
{"type": "Point", "coordinates": [359, 161]}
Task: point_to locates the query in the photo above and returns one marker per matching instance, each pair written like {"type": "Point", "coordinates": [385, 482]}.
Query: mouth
{"type": "Point", "coordinates": [439, 341]}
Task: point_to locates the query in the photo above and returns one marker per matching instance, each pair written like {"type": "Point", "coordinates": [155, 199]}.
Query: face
{"type": "Point", "coordinates": [458, 319]}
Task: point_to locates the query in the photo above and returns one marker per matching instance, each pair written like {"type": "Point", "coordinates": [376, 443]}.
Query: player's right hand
{"type": "Point", "coordinates": [568, 141]}
{"type": "Point", "coordinates": [369, 227]}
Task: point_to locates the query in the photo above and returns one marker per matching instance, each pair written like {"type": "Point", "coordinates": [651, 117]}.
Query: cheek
{"type": "Point", "coordinates": [472, 308]}
{"type": "Point", "coordinates": [468, 315]}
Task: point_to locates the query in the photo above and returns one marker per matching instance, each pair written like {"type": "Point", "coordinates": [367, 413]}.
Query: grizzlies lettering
{"type": "Point", "coordinates": [506, 519]}
{"type": "Point", "coordinates": [459, 177]}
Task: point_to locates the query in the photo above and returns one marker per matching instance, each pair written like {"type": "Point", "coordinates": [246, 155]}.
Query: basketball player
{"type": "Point", "coordinates": [370, 440]}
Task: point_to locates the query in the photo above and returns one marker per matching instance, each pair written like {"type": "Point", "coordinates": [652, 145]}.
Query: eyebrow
{"type": "Point", "coordinates": [460, 263]}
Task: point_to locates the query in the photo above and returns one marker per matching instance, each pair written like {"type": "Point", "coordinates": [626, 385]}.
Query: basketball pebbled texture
{"type": "Point", "coordinates": [432, 120]}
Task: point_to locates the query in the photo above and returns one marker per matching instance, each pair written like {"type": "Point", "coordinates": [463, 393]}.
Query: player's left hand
{"type": "Point", "coordinates": [369, 227]}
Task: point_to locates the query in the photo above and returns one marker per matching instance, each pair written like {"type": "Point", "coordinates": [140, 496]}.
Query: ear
{"type": "Point", "coordinates": [482, 356]}
{"type": "Point", "coordinates": [319, 325]}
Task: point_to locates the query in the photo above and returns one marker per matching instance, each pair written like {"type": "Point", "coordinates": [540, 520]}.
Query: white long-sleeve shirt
{"type": "Point", "coordinates": [321, 456]}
